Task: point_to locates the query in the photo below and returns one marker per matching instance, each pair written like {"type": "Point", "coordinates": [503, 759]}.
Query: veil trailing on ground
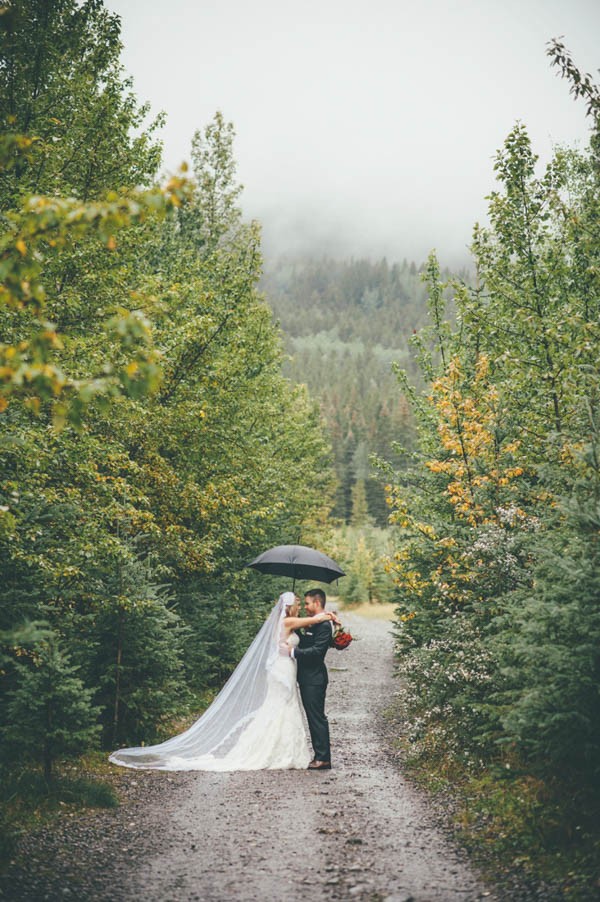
{"type": "Point", "coordinates": [218, 729]}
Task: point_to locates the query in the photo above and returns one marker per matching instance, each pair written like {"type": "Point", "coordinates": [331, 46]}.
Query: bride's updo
{"type": "Point", "coordinates": [292, 610]}
{"type": "Point", "coordinates": [290, 602]}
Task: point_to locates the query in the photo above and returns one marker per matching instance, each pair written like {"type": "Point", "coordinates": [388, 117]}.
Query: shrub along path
{"type": "Point", "coordinates": [359, 831]}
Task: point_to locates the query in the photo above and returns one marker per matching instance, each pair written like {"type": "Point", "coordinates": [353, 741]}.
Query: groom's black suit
{"type": "Point", "coordinates": [313, 680]}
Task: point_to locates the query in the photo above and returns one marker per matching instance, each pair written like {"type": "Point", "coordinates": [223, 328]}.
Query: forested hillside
{"type": "Point", "coordinates": [345, 324]}
{"type": "Point", "coordinates": [148, 444]}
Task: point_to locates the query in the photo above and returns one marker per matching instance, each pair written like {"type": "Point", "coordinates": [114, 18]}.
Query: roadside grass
{"type": "Point", "coordinates": [29, 801]}
{"type": "Point", "coordinates": [548, 832]}
{"type": "Point", "coordinates": [370, 610]}
{"type": "Point", "coordinates": [519, 829]}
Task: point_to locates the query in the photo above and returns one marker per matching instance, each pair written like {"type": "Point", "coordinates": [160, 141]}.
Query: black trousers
{"type": "Point", "coordinates": [313, 699]}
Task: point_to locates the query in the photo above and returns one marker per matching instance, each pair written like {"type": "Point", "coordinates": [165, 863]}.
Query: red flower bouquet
{"type": "Point", "coordinates": [341, 639]}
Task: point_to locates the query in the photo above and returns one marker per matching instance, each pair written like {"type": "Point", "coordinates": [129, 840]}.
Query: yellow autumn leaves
{"type": "Point", "coordinates": [479, 465]}
{"type": "Point", "coordinates": [479, 477]}
{"type": "Point", "coordinates": [39, 229]}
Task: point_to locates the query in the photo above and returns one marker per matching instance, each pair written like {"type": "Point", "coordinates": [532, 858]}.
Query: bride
{"type": "Point", "coordinates": [255, 722]}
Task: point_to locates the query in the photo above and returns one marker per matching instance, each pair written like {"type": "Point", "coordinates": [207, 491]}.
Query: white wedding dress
{"type": "Point", "coordinates": [255, 722]}
{"type": "Point", "coordinates": [275, 737]}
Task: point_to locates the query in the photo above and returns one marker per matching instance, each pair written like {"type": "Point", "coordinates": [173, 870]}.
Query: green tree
{"type": "Point", "coordinates": [360, 509]}
{"type": "Point", "coordinates": [133, 654]}
{"type": "Point", "coordinates": [150, 445]}
{"type": "Point", "coordinates": [551, 705]}
{"type": "Point", "coordinates": [62, 87]}
{"type": "Point", "coordinates": [215, 215]}
{"type": "Point", "coordinates": [74, 149]}
{"type": "Point", "coordinates": [50, 713]}
{"type": "Point", "coordinates": [498, 512]}
{"type": "Point", "coordinates": [361, 551]}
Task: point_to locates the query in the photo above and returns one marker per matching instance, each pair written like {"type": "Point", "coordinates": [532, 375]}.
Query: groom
{"type": "Point", "coordinates": [313, 679]}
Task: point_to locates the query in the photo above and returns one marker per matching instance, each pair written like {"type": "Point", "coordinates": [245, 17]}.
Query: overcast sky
{"type": "Point", "coordinates": [364, 128]}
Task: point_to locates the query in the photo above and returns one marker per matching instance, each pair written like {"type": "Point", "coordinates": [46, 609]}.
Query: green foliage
{"type": "Point", "coordinates": [526, 834]}
{"type": "Point", "coordinates": [346, 323]}
{"type": "Point", "coordinates": [216, 215]}
{"type": "Point", "coordinates": [360, 508]}
{"type": "Point", "coordinates": [70, 171]}
{"type": "Point", "coordinates": [149, 444]}
{"type": "Point", "coordinates": [360, 550]}
{"type": "Point", "coordinates": [62, 86]}
{"type": "Point", "coordinates": [131, 648]}
{"type": "Point", "coordinates": [49, 713]}
{"type": "Point", "coordinates": [551, 657]}
{"type": "Point", "coordinates": [498, 524]}
{"type": "Point", "coordinates": [34, 362]}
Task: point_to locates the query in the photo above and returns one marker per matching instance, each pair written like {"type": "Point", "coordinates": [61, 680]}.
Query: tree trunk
{"type": "Point", "coordinates": [48, 744]}
{"type": "Point", "coordinates": [118, 676]}
{"type": "Point", "coordinates": [47, 762]}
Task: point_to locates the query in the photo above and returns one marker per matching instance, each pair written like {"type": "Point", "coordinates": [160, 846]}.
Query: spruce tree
{"type": "Point", "coordinates": [132, 652]}
{"type": "Point", "coordinates": [360, 509]}
{"type": "Point", "coordinates": [50, 712]}
{"type": "Point", "coordinates": [551, 710]}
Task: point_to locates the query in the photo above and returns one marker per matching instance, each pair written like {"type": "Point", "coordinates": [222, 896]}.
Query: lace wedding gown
{"type": "Point", "coordinates": [255, 722]}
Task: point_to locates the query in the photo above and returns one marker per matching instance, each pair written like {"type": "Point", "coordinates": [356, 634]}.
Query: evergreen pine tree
{"type": "Point", "coordinates": [552, 659]}
{"type": "Point", "coordinates": [360, 509]}
{"type": "Point", "coordinates": [50, 712]}
{"type": "Point", "coordinates": [133, 654]}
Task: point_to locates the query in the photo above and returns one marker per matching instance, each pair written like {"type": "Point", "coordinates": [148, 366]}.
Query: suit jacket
{"type": "Point", "coordinates": [310, 653]}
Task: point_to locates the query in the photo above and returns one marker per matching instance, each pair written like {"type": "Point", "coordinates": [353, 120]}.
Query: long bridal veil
{"type": "Point", "coordinates": [218, 729]}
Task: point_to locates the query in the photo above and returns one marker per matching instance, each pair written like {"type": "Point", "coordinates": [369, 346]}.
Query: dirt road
{"type": "Point", "coordinates": [358, 832]}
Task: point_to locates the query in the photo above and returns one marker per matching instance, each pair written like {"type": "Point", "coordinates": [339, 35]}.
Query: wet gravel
{"type": "Point", "coordinates": [359, 831]}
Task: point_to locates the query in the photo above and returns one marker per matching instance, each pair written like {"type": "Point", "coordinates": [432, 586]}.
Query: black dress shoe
{"type": "Point", "coordinates": [319, 765]}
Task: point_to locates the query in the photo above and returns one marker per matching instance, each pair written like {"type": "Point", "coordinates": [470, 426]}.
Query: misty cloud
{"type": "Point", "coordinates": [361, 128]}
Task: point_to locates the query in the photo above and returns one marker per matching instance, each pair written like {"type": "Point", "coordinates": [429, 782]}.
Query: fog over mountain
{"type": "Point", "coordinates": [362, 129]}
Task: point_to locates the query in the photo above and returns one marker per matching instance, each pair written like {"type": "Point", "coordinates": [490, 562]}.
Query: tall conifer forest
{"type": "Point", "coordinates": [346, 324]}
{"type": "Point", "coordinates": [170, 407]}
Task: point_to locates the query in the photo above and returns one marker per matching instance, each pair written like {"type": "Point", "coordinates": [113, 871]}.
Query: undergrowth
{"type": "Point", "coordinates": [520, 830]}
{"type": "Point", "coordinates": [28, 800]}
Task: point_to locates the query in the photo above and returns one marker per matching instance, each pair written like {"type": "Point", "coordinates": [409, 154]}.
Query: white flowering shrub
{"type": "Point", "coordinates": [446, 685]}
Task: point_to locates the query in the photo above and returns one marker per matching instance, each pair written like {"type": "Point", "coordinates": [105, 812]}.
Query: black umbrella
{"type": "Point", "coordinates": [299, 562]}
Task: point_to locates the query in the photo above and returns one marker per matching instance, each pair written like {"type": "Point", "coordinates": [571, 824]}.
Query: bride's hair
{"type": "Point", "coordinates": [289, 607]}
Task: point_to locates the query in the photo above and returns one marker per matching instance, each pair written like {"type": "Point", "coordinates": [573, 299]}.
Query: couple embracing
{"type": "Point", "coordinates": [256, 722]}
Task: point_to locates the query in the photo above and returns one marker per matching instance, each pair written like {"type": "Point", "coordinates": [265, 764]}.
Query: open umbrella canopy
{"type": "Point", "coordinates": [299, 562]}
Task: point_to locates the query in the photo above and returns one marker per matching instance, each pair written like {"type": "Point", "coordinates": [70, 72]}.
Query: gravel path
{"type": "Point", "coordinates": [358, 832]}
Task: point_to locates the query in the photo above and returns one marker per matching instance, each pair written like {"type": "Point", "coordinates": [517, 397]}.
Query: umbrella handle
{"type": "Point", "coordinates": [294, 579]}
